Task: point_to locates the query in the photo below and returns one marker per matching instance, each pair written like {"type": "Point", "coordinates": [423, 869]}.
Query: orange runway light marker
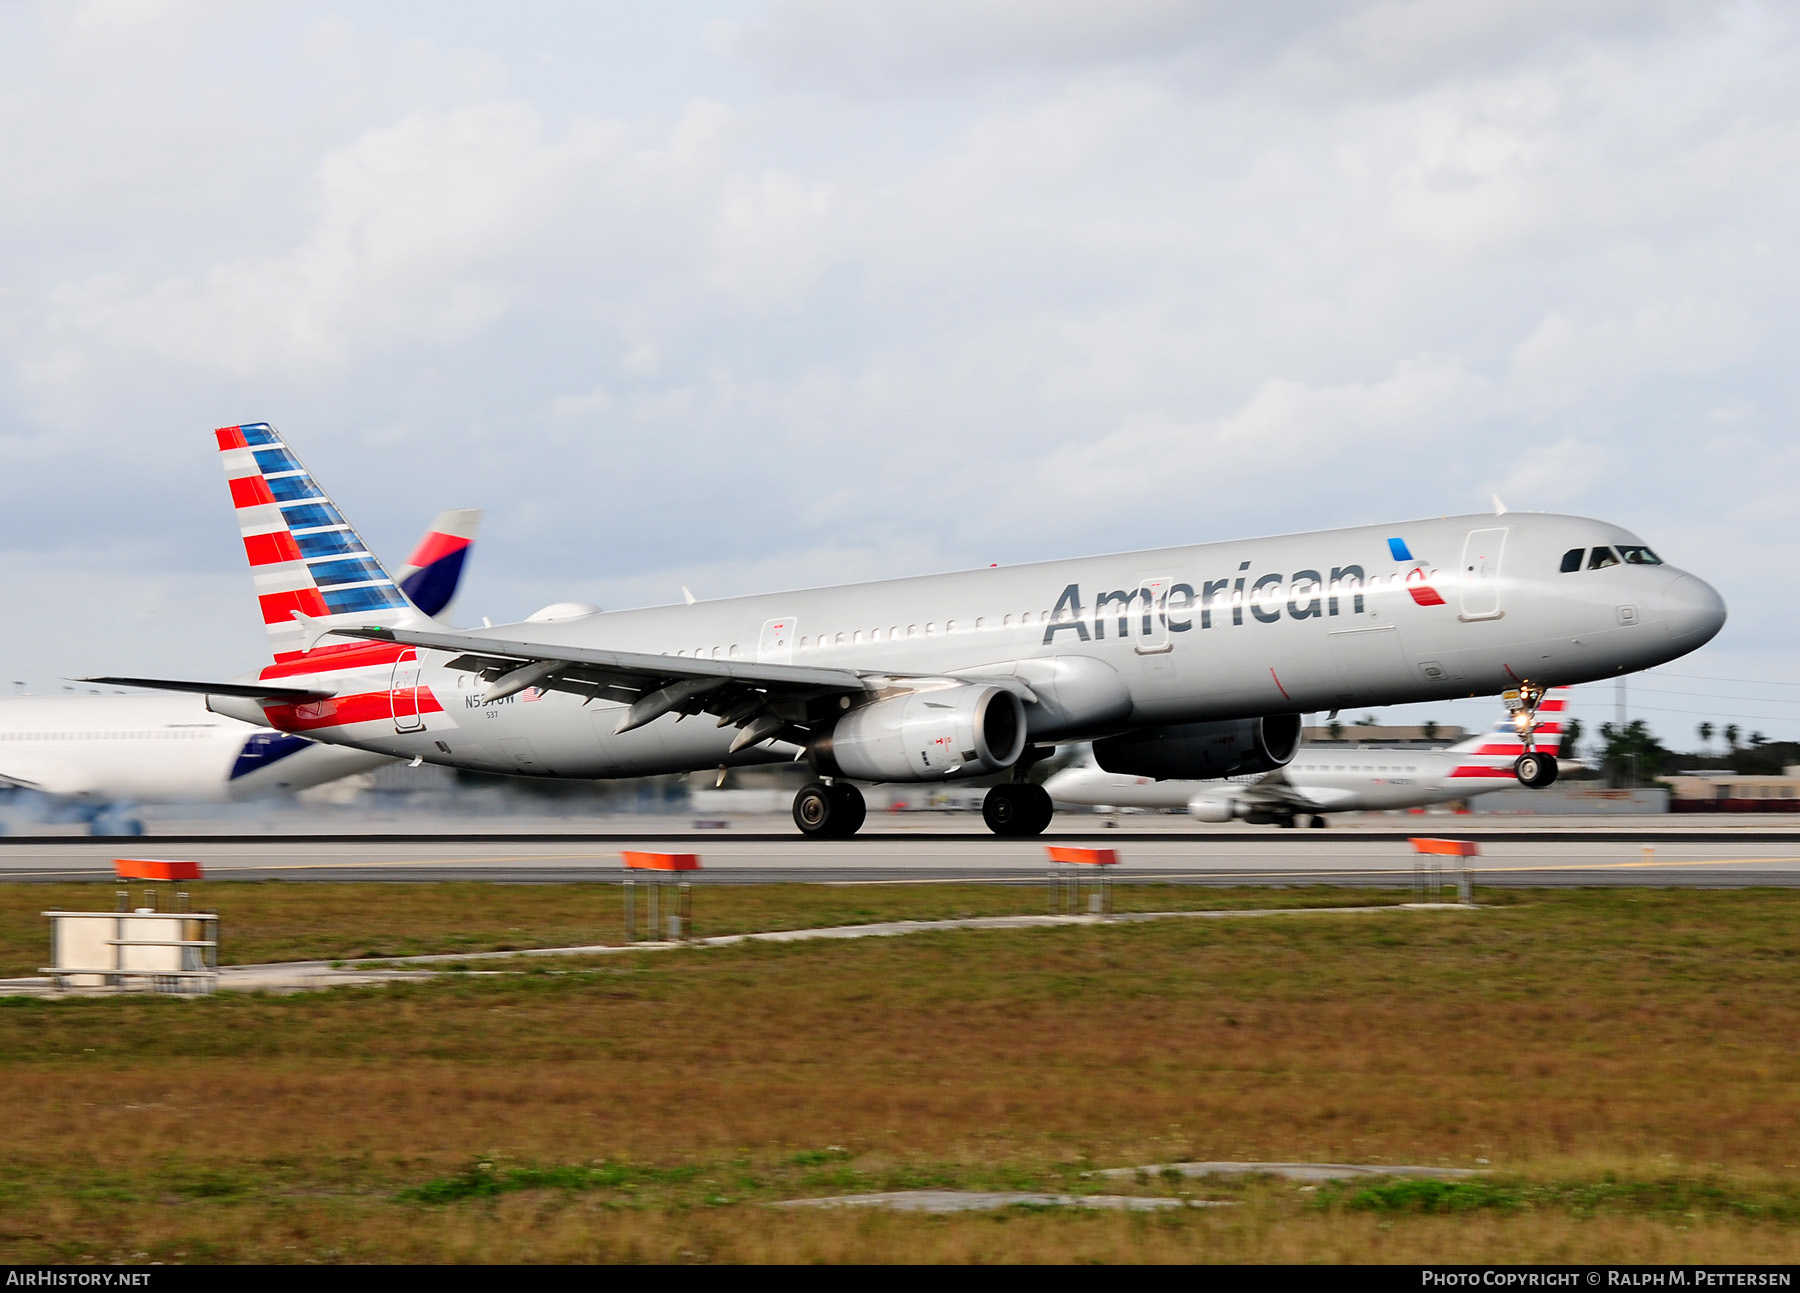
{"type": "Point", "coordinates": [1086, 857]}
{"type": "Point", "coordinates": [156, 869]}
{"type": "Point", "coordinates": [635, 861]}
{"type": "Point", "coordinates": [1449, 848]}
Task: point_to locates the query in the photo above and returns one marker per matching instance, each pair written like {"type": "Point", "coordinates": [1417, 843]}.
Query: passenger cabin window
{"type": "Point", "coordinates": [1602, 558]}
{"type": "Point", "coordinates": [1636, 554]}
{"type": "Point", "coordinates": [1572, 560]}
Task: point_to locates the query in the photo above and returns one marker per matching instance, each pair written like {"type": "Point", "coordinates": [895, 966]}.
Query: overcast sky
{"type": "Point", "coordinates": [746, 296]}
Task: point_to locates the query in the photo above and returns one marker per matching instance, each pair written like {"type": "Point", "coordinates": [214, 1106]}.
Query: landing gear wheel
{"type": "Point", "coordinates": [1534, 770]}
{"type": "Point", "coordinates": [848, 810]}
{"type": "Point", "coordinates": [814, 808]}
{"type": "Point", "coordinates": [1318, 823]}
{"type": "Point", "coordinates": [1017, 810]}
{"type": "Point", "coordinates": [1286, 823]}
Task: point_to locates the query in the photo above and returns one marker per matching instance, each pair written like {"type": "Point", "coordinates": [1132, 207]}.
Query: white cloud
{"type": "Point", "coordinates": [871, 287]}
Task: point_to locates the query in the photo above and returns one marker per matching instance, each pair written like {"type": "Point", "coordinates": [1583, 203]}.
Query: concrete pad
{"type": "Point", "coordinates": [991, 1200]}
{"type": "Point", "coordinates": [1288, 1171]}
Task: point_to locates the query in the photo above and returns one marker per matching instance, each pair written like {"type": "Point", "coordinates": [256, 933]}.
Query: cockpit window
{"type": "Point", "coordinates": [1572, 560]}
{"type": "Point", "coordinates": [1636, 554]}
{"type": "Point", "coordinates": [1601, 559]}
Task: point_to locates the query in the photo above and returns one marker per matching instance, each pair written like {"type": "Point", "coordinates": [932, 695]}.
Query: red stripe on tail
{"type": "Point", "coordinates": [271, 549]}
{"type": "Point", "coordinates": [279, 608]}
{"type": "Point", "coordinates": [435, 546]}
{"type": "Point", "coordinates": [331, 659]}
{"type": "Point", "coordinates": [250, 491]}
{"type": "Point", "coordinates": [341, 711]}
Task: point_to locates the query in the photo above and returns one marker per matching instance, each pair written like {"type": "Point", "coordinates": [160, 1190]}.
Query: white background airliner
{"type": "Point", "coordinates": [99, 755]}
{"type": "Point", "coordinates": [1325, 779]}
{"type": "Point", "coordinates": [1190, 662]}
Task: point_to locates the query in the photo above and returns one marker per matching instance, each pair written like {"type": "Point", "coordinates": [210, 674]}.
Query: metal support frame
{"type": "Point", "coordinates": [1065, 888]}
{"type": "Point", "coordinates": [669, 907]}
{"type": "Point", "coordinates": [1430, 878]}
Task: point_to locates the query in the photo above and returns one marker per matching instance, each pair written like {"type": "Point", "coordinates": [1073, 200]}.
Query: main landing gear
{"type": "Point", "coordinates": [829, 812]}
{"type": "Point", "coordinates": [1017, 809]}
{"type": "Point", "coordinates": [1534, 768]}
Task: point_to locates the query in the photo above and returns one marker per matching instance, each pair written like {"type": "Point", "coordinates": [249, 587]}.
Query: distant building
{"type": "Point", "coordinates": [1374, 734]}
{"type": "Point", "coordinates": [1727, 792]}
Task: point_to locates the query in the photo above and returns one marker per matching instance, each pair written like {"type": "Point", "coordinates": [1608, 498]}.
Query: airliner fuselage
{"type": "Point", "coordinates": [1374, 615]}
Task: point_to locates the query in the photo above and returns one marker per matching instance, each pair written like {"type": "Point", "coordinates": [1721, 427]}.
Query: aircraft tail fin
{"type": "Point", "coordinates": [1498, 747]}
{"type": "Point", "coordinates": [312, 569]}
{"type": "Point", "coordinates": [431, 575]}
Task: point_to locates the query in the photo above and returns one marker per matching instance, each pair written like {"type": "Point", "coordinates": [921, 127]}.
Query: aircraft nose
{"type": "Point", "coordinates": [1693, 612]}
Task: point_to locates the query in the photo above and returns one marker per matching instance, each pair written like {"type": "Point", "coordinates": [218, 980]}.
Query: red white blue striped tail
{"type": "Point", "coordinates": [304, 556]}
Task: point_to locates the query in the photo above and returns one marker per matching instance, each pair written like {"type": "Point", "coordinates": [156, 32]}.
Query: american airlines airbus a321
{"type": "Point", "coordinates": [1189, 663]}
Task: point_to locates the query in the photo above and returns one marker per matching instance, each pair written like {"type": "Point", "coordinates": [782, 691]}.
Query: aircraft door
{"type": "Point", "coordinates": [403, 693]}
{"type": "Point", "coordinates": [1481, 574]}
{"type": "Point", "coordinates": [776, 646]}
{"type": "Point", "coordinates": [1153, 610]}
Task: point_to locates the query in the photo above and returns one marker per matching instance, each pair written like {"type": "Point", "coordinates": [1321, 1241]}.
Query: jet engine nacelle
{"type": "Point", "coordinates": [1203, 751]}
{"type": "Point", "coordinates": [1213, 807]}
{"type": "Point", "coordinates": [964, 730]}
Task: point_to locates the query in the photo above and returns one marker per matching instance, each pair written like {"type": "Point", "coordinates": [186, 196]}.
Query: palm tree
{"type": "Point", "coordinates": [1429, 729]}
{"type": "Point", "coordinates": [1731, 735]}
{"type": "Point", "coordinates": [1706, 731]}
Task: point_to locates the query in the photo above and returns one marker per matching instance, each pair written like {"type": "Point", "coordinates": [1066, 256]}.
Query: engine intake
{"type": "Point", "coordinates": [1202, 751]}
{"type": "Point", "coordinates": [960, 731]}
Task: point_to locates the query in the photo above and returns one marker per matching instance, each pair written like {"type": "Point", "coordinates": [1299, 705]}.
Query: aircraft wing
{"type": "Point", "coordinates": [765, 700]}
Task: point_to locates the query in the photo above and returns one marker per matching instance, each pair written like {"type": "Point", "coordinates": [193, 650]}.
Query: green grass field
{"type": "Point", "coordinates": [1621, 1060]}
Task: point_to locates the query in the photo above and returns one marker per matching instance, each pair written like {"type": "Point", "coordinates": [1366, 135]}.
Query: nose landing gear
{"type": "Point", "coordinates": [1534, 768]}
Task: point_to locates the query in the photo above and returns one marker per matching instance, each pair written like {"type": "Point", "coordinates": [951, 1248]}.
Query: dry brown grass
{"type": "Point", "coordinates": [1643, 1034]}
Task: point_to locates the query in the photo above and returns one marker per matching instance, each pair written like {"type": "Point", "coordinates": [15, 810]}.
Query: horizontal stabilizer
{"type": "Point", "coordinates": [247, 690]}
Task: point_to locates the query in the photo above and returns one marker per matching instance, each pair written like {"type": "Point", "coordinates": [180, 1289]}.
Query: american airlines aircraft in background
{"type": "Point", "coordinates": [98, 755]}
{"type": "Point", "coordinates": [1334, 779]}
{"type": "Point", "coordinates": [1191, 662]}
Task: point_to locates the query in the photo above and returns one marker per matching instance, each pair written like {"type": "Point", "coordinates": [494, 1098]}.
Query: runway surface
{"type": "Point", "coordinates": [1542, 852]}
